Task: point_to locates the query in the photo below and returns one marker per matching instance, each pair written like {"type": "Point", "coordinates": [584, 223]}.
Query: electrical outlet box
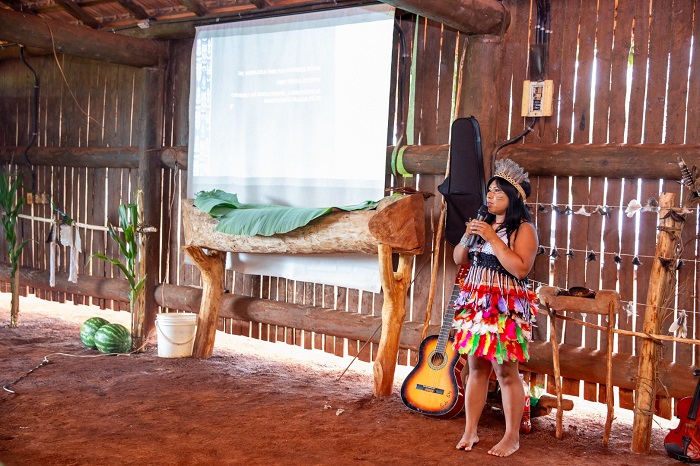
{"type": "Point", "coordinates": [537, 98]}
{"type": "Point", "coordinates": [37, 198]}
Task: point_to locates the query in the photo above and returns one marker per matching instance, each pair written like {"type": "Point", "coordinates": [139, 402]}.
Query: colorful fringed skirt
{"type": "Point", "coordinates": [494, 313]}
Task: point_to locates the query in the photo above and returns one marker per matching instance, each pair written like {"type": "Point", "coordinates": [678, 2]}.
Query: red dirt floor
{"type": "Point", "coordinates": [251, 403]}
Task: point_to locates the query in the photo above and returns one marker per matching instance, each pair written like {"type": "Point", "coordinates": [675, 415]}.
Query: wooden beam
{"type": "Point", "coordinates": [195, 7]}
{"type": "Point", "coordinates": [80, 41]}
{"type": "Point", "coordinates": [19, 6]}
{"type": "Point", "coordinates": [114, 289]}
{"type": "Point", "coordinates": [93, 157]}
{"type": "Point", "coordinates": [467, 16]}
{"type": "Point", "coordinates": [261, 4]}
{"type": "Point", "coordinates": [79, 13]}
{"type": "Point", "coordinates": [11, 51]}
{"type": "Point", "coordinates": [351, 325]}
{"type": "Point", "coordinates": [134, 8]}
{"type": "Point", "coordinates": [646, 161]}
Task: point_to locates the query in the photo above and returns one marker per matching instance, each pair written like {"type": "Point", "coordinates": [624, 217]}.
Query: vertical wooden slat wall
{"type": "Point", "coordinates": [692, 135]}
{"type": "Point", "coordinates": [628, 50]}
{"type": "Point", "coordinates": [622, 73]}
{"type": "Point", "coordinates": [81, 104]}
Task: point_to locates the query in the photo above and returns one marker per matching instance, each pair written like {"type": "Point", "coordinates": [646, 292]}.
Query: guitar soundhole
{"type": "Point", "coordinates": [437, 361]}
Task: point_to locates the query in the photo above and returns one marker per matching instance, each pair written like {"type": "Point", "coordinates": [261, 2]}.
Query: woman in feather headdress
{"type": "Point", "coordinates": [495, 309]}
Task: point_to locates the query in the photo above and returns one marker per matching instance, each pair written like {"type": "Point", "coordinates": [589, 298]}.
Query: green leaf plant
{"type": "Point", "coordinates": [127, 241]}
{"type": "Point", "coordinates": [237, 218]}
{"type": "Point", "coordinates": [10, 205]}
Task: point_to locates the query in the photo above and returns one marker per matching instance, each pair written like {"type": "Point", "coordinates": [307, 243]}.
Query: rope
{"type": "Point", "coordinates": [45, 362]}
{"type": "Point", "coordinates": [358, 353]}
{"type": "Point", "coordinates": [12, 392]}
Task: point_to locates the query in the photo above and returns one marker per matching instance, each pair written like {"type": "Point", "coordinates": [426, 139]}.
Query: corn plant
{"type": "Point", "coordinates": [128, 246]}
{"type": "Point", "coordinates": [10, 204]}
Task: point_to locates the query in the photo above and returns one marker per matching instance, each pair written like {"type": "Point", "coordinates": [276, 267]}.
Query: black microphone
{"type": "Point", "coordinates": [481, 215]}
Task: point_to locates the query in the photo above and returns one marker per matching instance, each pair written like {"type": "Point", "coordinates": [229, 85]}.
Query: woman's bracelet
{"type": "Point", "coordinates": [463, 241]}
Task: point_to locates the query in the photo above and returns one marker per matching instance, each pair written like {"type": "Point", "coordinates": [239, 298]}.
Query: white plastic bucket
{"type": "Point", "coordinates": [176, 333]}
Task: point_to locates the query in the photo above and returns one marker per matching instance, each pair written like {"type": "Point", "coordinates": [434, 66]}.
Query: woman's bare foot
{"type": "Point", "coordinates": [505, 447]}
{"type": "Point", "coordinates": [467, 442]}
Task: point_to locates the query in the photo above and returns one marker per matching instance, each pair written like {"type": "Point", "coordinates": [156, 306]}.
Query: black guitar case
{"type": "Point", "coordinates": [465, 187]}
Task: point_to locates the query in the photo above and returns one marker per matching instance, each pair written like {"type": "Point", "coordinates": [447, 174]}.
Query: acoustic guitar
{"type": "Point", "coordinates": [434, 386]}
{"type": "Point", "coordinates": [683, 442]}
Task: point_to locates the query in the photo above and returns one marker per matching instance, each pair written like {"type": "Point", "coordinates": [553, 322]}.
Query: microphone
{"type": "Point", "coordinates": [481, 215]}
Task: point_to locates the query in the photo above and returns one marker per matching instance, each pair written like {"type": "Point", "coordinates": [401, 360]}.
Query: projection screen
{"type": "Point", "coordinates": [293, 111]}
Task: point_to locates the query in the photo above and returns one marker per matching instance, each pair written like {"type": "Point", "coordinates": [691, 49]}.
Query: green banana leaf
{"type": "Point", "coordinates": [236, 218]}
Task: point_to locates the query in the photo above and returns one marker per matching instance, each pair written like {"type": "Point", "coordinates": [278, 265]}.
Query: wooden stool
{"type": "Point", "coordinates": [606, 302]}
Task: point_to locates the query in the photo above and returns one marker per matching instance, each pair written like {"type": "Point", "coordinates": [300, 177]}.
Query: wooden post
{"type": "Point", "coordinates": [211, 266]}
{"type": "Point", "coordinates": [477, 81]}
{"type": "Point", "coordinates": [395, 286]}
{"type": "Point", "coordinates": [145, 309]}
{"type": "Point", "coordinates": [661, 283]}
{"type": "Point", "coordinates": [137, 304]}
{"type": "Point", "coordinates": [556, 369]}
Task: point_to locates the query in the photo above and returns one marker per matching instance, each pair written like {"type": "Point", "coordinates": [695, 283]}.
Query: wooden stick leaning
{"type": "Point", "coordinates": [656, 338]}
{"type": "Point", "coordinates": [609, 397]}
{"type": "Point", "coordinates": [433, 275]}
{"type": "Point", "coordinates": [557, 373]}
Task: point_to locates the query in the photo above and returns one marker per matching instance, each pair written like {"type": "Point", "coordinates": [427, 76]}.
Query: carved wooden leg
{"type": "Point", "coordinates": [395, 286]}
{"type": "Point", "coordinates": [211, 265]}
{"type": "Point", "coordinates": [609, 396]}
{"type": "Point", "coordinates": [557, 372]}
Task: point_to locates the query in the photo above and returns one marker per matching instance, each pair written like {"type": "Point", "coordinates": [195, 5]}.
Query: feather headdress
{"type": "Point", "coordinates": [512, 173]}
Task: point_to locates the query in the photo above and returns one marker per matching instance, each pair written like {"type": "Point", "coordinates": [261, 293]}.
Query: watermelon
{"type": "Point", "coordinates": [113, 338]}
{"type": "Point", "coordinates": [88, 329]}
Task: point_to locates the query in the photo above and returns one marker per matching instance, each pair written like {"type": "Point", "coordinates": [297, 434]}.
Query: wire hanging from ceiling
{"type": "Point", "coordinates": [35, 119]}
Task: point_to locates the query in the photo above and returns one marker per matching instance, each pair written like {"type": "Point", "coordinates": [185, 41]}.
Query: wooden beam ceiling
{"type": "Point", "coordinates": [135, 9]}
{"type": "Point", "coordinates": [32, 31]}
{"type": "Point", "coordinates": [195, 7]}
{"type": "Point", "coordinates": [79, 13]}
{"type": "Point", "coordinates": [467, 16]}
{"type": "Point", "coordinates": [178, 20]}
{"type": "Point", "coordinates": [261, 4]}
{"type": "Point", "coordinates": [19, 6]}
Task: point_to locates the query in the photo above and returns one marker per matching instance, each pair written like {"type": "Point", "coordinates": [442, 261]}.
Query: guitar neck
{"type": "Point", "coordinates": [449, 313]}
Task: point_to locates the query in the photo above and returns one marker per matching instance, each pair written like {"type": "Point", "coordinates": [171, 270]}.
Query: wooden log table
{"type": "Point", "coordinates": [396, 226]}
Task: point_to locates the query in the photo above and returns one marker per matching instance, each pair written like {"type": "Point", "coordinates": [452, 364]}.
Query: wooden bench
{"type": "Point", "coordinates": [605, 302]}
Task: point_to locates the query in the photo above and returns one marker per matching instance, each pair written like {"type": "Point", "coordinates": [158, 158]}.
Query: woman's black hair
{"type": "Point", "coordinates": [517, 212]}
